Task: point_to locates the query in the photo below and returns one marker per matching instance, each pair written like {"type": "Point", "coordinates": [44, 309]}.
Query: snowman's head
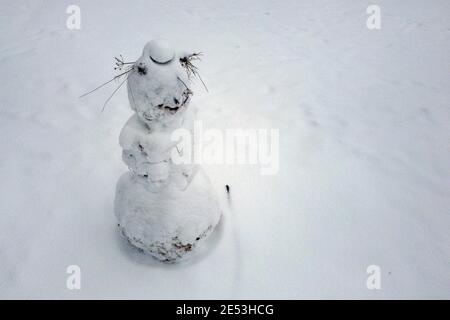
{"type": "Point", "coordinates": [158, 85]}
{"type": "Point", "coordinates": [160, 51]}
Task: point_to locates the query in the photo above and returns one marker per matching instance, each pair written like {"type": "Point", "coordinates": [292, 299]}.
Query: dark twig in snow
{"type": "Point", "coordinates": [179, 79]}
{"type": "Point", "coordinates": [120, 63]}
{"type": "Point", "coordinates": [191, 69]}
{"type": "Point", "coordinates": [114, 92]}
{"type": "Point", "coordinates": [104, 84]}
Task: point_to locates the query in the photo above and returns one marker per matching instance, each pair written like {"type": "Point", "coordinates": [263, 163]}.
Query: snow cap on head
{"type": "Point", "coordinates": [160, 51]}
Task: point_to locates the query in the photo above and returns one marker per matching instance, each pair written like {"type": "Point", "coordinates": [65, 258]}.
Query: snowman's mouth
{"type": "Point", "coordinates": [172, 110]}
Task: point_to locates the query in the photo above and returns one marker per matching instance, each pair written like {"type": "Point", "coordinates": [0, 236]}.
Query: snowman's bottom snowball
{"type": "Point", "coordinates": [169, 224]}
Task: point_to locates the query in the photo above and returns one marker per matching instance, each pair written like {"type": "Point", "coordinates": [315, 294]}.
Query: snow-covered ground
{"type": "Point", "coordinates": [364, 120]}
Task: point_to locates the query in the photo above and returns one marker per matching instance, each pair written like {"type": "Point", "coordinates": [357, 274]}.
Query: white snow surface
{"type": "Point", "coordinates": [364, 148]}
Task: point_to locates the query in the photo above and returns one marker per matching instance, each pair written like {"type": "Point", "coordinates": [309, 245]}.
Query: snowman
{"type": "Point", "coordinates": [165, 209]}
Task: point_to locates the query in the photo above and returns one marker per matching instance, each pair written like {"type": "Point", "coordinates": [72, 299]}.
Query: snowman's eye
{"type": "Point", "coordinates": [142, 70]}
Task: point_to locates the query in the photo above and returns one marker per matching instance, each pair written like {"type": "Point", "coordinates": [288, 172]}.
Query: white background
{"type": "Point", "coordinates": [364, 148]}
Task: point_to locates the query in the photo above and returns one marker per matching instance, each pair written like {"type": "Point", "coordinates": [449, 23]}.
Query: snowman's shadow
{"type": "Point", "coordinates": [138, 256]}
